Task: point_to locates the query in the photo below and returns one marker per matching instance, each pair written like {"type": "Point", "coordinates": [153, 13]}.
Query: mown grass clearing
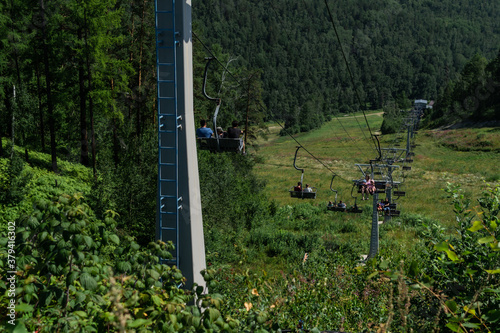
{"type": "Point", "coordinates": [344, 141]}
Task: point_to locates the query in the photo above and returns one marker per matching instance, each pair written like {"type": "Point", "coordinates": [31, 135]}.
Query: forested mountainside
{"type": "Point", "coordinates": [395, 49]}
{"type": "Point", "coordinates": [78, 79]}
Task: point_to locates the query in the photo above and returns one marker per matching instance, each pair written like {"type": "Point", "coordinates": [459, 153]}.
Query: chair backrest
{"type": "Point", "coordinates": [225, 144]}
{"type": "Point", "coordinates": [303, 195]}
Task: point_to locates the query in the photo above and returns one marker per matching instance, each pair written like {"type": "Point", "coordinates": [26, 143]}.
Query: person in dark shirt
{"type": "Point", "coordinates": [234, 132]}
{"type": "Point", "coordinates": [387, 206]}
{"type": "Point", "coordinates": [298, 188]}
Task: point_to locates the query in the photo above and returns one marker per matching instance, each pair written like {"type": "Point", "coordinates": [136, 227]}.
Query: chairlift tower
{"type": "Point", "coordinates": [387, 180]}
{"type": "Point", "coordinates": [179, 217]}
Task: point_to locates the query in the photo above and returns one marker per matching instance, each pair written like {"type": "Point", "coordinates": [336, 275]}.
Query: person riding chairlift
{"type": "Point", "coordinates": [298, 188]}
{"type": "Point", "coordinates": [368, 187]}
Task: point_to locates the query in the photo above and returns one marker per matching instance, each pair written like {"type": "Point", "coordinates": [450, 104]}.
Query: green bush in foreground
{"type": "Point", "coordinates": [74, 274]}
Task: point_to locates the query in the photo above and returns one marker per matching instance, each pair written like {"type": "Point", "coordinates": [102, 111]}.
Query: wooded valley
{"type": "Point", "coordinates": [79, 153]}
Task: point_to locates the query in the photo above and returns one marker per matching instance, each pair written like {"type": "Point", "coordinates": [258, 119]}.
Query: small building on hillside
{"type": "Point", "coordinates": [420, 104]}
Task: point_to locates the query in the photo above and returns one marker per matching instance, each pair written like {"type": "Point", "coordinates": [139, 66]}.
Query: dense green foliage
{"type": "Point", "coordinates": [474, 97]}
{"type": "Point", "coordinates": [394, 49]}
{"type": "Point", "coordinates": [76, 273]}
{"type": "Point", "coordinates": [78, 80]}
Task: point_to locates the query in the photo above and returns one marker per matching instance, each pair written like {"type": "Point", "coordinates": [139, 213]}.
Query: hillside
{"type": "Point", "coordinates": [275, 261]}
{"type": "Point", "coordinates": [79, 157]}
{"type": "Point", "coordinates": [395, 49]}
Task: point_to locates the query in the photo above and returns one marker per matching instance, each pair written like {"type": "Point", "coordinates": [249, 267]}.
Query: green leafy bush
{"type": "Point", "coordinates": [74, 273]}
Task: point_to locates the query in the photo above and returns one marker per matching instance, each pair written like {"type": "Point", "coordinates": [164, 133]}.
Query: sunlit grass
{"type": "Point", "coordinates": [344, 141]}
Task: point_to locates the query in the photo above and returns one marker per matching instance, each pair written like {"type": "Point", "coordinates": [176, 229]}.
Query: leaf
{"type": "Point", "coordinates": [71, 277]}
{"type": "Point", "coordinates": [213, 314]}
{"type": "Point", "coordinates": [43, 236]}
{"type": "Point", "coordinates": [123, 266]}
{"type": "Point", "coordinates": [157, 300]}
{"type": "Point", "coordinates": [88, 240]}
{"type": "Point", "coordinates": [453, 326]}
{"type": "Point", "coordinates": [493, 225]}
{"type": "Point", "coordinates": [471, 325]}
{"type": "Point", "coordinates": [476, 225]}
{"type": "Point", "coordinates": [452, 255]}
{"type": "Point", "coordinates": [114, 238]}
{"type": "Point", "coordinates": [80, 314]}
{"type": "Point", "coordinates": [486, 240]}
{"type": "Point", "coordinates": [88, 282]}
{"type": "Point", "coordinates": [33, 222]}
{"type": "Point", "coordinates": [80, 297]}
{"type": "Point", "coordinates": [414, 269]}
{"type": "Point", "coordinates": [372, 275]}
{"type": "Point", "coordinates": [196, 322]}
{"type": "Point", "coordinates": [469, 310]}
{"type": "Point", "coordinates": [493, 271]}
{"type": "Point", "coordinates": [23, 307]}
{"type": "Point", "coordinates": [154, 274]}
{"type": "Point", "coordinates": [441, 247]}
{"type": "Point", "coordinates": [493, 316]}
{"type": "Point", "coordinates": [451, 305]}
{"type": "Point", "coordinates": [19, 328]}
{"type": "Point", "coordinates": [139, 322]}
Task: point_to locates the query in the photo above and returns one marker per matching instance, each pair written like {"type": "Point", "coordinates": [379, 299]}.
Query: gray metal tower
{"type": "Point", "coordinates": [179, 216]}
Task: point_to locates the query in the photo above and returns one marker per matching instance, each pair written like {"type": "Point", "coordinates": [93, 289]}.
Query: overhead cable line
{"type": "Point", "coordinates": [263, 108]}
{"type": "Point", "coordinates": [351, 77]}
{"type": "Point", "coordinates": [294, 139]}
{"type": "Point", "coordinates": [341, 124]}
{"type": "Point", "coordinates": [217, 59]}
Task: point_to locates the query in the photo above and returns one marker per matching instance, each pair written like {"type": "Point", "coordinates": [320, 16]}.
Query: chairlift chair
{"type": "Point", "coordinates": [354, 209]}
{"type": "Point", "coordinates": [397, 192]}
{"type": "Point", "coordinates": [217, 144]}
{"type": "Point", "coordinates": [301, 194]}
{"type": "Point", "coordinates": [335, 208]}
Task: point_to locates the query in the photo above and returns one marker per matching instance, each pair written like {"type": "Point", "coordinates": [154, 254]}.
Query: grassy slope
{"type": "Point", "coordinates": [38, 182]}
{"type": "Point", "coordinates": [436, 162]}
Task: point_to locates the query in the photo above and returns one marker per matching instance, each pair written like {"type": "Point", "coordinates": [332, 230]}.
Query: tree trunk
{"type": "Point", "coordinates": [91, 104]}
{"type": "Point", "coordinates": [13, 126]}
{"type": "Point", "coordinates": [139, 90]}
{"type": "Point", "coordinates": [248, 109]}
{"type": "Point", "coordinates": [40, 109]}
{"type": "Point", "coordinates": [84, 142]}
{"type": "Point", "coordinates": [116, 145]}
{"type": "Point", "coordinates": [1, 142]}
{"type": "Point", "coordinates": [50, 106]}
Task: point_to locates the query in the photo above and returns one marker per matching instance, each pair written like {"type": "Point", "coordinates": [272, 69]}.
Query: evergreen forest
{"type": "Point", "coordinates": [79, 156]}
